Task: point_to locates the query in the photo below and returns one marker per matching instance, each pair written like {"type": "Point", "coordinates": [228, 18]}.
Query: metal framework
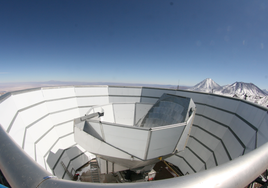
{"type": "Point", "coordinates": [247, 137]}
{"type": "Point", "coordinates": [21, 171]}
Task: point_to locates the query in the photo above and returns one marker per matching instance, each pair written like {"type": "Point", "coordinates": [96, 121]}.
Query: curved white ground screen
{"type": "Point", "coordinates": [41, 120]}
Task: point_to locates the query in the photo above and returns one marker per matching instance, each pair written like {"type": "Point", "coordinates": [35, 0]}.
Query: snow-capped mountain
{"type": "Point", "coordinates": [242, 89]}
{"type": "Point", "coordinates": [207, 85]}
{"type": "Point", "coordinates": [265, 91]}
{"type": "Point", "coordinates": [247, 91]}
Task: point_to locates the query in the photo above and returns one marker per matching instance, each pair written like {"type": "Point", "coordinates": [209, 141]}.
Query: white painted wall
{"type": "Point", "coordinates": [41, 120]}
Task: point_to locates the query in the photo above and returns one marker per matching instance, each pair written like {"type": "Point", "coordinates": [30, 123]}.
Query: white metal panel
{"type": "Point", "coordinates": [200, 150]}
{"type": "Point", "coordinates": [124, 91]}
{"type": "Point", "coordinates": [198, 120]}
{"type": "Point", "coordinates": [91, 91]}
{"type": "Point", "coordinates": [122, 99]}
{"type": "Point", "coordinates": [59, 170]}
{"type": "Point", "coordinates": [76, 160]}
{"type": "Point", "coordinates": [91, 101]}
{"type": "Point", "coordinates": [197, 97]}
{"type": "Point", "coordinates": [211, 126]}
{"type": "Point", "coordinates": [63, 104]}
{"type": "Point", "coordinates": [124, 113]}
{"type": "Point", "coordinates": [128, 139]}
{"type": "Point", "coordinates": [47, 142]}
{"type": "Point", "coordinates": [17, 131]}
{"type": "Point", "coordinates": [97, 127]}
{"type": "Point", "coordinates": [118, 168]}
{"type": "Point", "coordinates": [50, 138]}
{"type": "Point", "coordinates": [40, 159]}
{"type": "Point", "coordinates": [64, 142]}
{"type": "Point", "coordinates": [164, 141]}
{"type": "Point", "coordinates": [58, 93]}
{"type": "Point", "coordinates": [102, 165]}
{"type": "Point", "coordinates": [108, 113]}
{"type": "Point", "coordinates": [205, 138]}
{"type": "Point", "coordinates": [175, 160]}
{"type": "Point", "coordinates": [184, 137]}
{"type": "Point", "coordinates": [64, 129]}
{"type": "Point", "coordinates": [8, 111]}
{"type": "Point", "coordinates": [34, 113]}
{"type": "Point", "coordinates": [63, 116]}
{"type": "Point", "coordinates": [148, 100]}
{"type": "Point", "coordinates": [141, 110]}
{"type": "Point", "coordinates": [23, 100]}
{"type": "Point", "coordinates": [83, 110]}
{"type": "Point", "coordinates": [153, 92]}
{"type": "Point", "coordinates": [29, 146]}
{"type": "Point", "coordinates": [38, 129]}
{"type": "Point", "coordinates": [94, 145]}
{"type": "Point", "coordinates": [195, 163]}
{"type": "Point", "coordinates": [185, 168]}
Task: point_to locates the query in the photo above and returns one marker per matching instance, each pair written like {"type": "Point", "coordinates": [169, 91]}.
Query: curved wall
{"type": "Point", "coordinates": [41, 120]}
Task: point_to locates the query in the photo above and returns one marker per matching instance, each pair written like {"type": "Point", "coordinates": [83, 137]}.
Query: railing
{"type": "Point", "coordinates": [22, 171]}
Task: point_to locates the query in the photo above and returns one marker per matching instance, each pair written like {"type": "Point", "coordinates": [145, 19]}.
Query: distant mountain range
{"type": "Point", "coordinates": [247, 91]}
{"type": "Point", "coordinates": [207, 85]}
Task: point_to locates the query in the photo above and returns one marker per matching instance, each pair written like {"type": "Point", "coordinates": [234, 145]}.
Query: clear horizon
{"type": "Point", "coordinates": [145, 42]}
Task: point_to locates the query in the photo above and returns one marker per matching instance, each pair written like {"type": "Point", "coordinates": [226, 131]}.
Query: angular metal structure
{"type": "Point", "coordinates": [163, 132]}
{"type": "Point", "coordinates": [227, 146]}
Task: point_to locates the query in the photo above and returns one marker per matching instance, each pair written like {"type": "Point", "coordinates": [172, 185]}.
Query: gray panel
{"type": "Point", "coordinates": [262, 137]}
{"type": "Point", "coordinates": [148, 100]}
{"type": "Point", "coordinates": [242, 130]}
{"type": "Point", "coordinates": [211, 162]}
{"type": "Point", "coordinates": [90, 130]}
{"type": "Point", "coordinates": [250, 113]}
{"type": "Point", "coordinates": [126, 138]}
{"type": "Point", "coordinates": [205, 138]}
{"type": "Point", "coordinates": [251, 145]}
{"type": "Point", "coordinates": [211, 126]}
{"type": "Point", "coordinates": [153, 92]}
{"type": "Point", "coordinates": [124, 113]}
{"type": "Point", "coordinates": [96, 126]}
{"type": "Point", "coordinates": [233, 146]}
{"type": "Point", "coordinates": [134, 91]}
{"type": "Point", "coordinates": [220, 154]}
{"type": "Point", "coordinates": [226, 103]}
{"type": "Point", "coordinates": [141, 110]}
{"type": "Point", "coordinates": [218, 115]}
{"type": "Point", "coordinates": [124, 99]}
{"type": "Point", "coordinates": [164, 141]}
{"type": "Point", "coordinates": [203, 152]}
{"type": "Point", "coordinates": [197, 97]}
{"type": "Point", "coordinates": [174, 160]}
{"type": "Point", "coordinates": [200, 108]}
{"type": "Point", "coordinates": [194, 161]}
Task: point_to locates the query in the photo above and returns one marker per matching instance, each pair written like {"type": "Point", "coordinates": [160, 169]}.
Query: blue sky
{"type": "Point", "coordinates": [134, 41]}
